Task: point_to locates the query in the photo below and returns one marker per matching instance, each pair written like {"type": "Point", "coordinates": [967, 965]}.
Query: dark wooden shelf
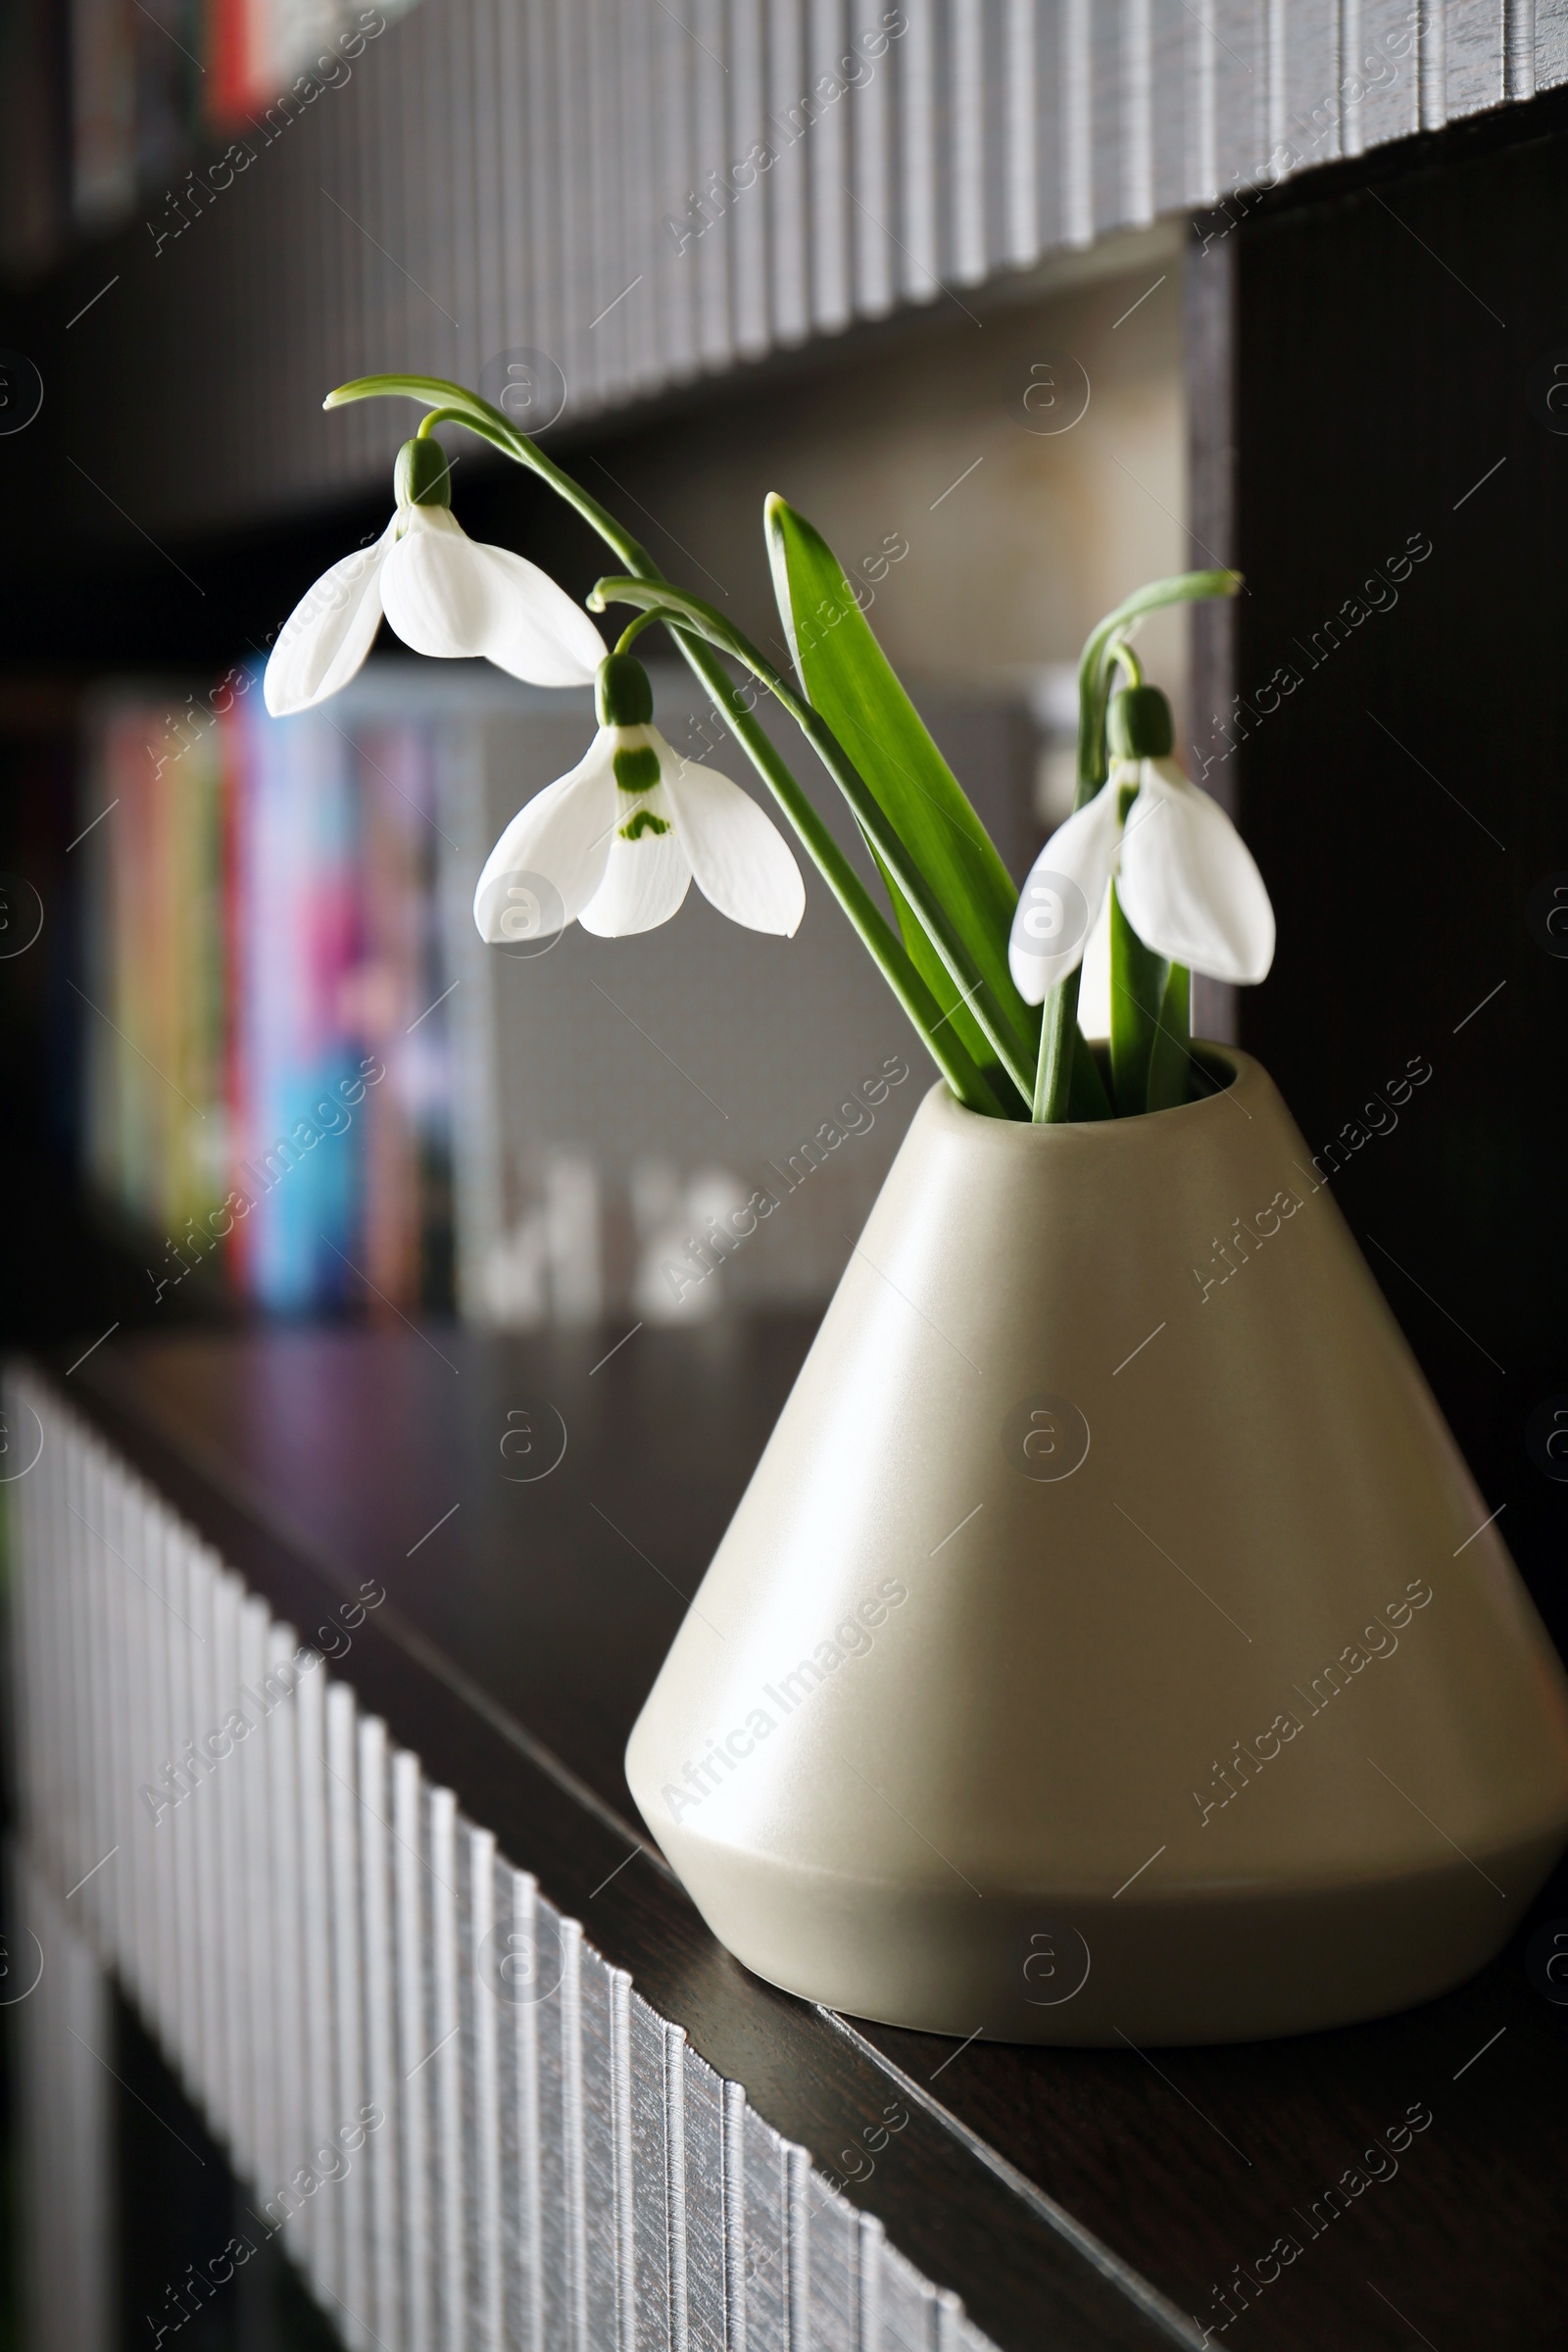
{"type": "Point", "coordinates": [1051, 2189]}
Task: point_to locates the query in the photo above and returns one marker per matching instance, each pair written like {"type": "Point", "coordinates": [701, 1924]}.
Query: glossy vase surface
{"type": "Point", "coordinates": [1110, 1641]}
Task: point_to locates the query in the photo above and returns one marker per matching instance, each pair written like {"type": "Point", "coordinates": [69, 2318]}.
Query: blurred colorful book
{"type": "Point", "coordinates": [108, 103]}
{"type": "Point", "coordinates": [266, 1065]}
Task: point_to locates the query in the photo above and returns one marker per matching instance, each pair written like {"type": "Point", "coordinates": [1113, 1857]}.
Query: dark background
{"type": "Point", "coordinates": [1391, 322]}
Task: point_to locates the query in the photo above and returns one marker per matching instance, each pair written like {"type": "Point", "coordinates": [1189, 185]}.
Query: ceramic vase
{"type": "Point", "coordinates": [1111, 1640]}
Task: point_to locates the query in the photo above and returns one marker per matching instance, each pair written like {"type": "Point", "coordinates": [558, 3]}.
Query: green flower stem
{"type": "Point", "coordinates": [452, 403]}
{"type": "Point", "coordinates": [693, 613]}
{"type": "Point", "coordinates": [633, 630]}
{"type": "Point", "coordinates": [1170, 1056]}
{"type": "Point", "coordinates": [1138, 978]}
{"type": "Point", "coordinates": [1059, 1025]}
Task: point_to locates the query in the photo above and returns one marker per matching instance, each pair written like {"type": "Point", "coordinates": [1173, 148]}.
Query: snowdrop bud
{"type": "Point", "coordinates": [622, 693]}
{"type": "Point", "coordinates": [422, 476]}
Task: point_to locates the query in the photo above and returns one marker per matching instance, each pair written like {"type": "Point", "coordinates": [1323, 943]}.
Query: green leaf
{"type": "Point", "coordinates": [849, 679]}
{"type": "Point", "coordinates": [1138, 979]}
{"type": "Point", "coordinates": [1170, 1059]}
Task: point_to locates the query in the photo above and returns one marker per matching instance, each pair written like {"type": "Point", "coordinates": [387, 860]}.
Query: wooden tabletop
{"type": "Point", "coordinates": [1074, 2198]}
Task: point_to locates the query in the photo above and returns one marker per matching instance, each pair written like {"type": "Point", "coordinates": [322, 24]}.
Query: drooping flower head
{"type": "Point", "coordinates": [444, 594]}
{"type": "Point", "coordinates": [1185, 879]}
{"type": "Point", "coordinates": [616, 844]}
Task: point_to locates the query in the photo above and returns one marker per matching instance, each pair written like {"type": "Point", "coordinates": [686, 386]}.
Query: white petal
{"type": "Point", "coordinates": [646, 879]}
{"type": "Point", "coordinates": [1061, 899]}
{"type": "Point", "coordinates": [550, 858]}
{"type": "Point", "coordinates": [451, 596]}
{"type": "Point", "coordinates": [328, 635]}
{"type": "Point", "coordinates": [741, 862]}
{"type": "Point", "coordinates": [543, 637]}
{"type": "Point", "coordinates": [1188, 884]}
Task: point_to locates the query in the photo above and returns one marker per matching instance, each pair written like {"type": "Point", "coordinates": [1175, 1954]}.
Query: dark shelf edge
{"type": "Point", "coordinates": [1027, 2271]}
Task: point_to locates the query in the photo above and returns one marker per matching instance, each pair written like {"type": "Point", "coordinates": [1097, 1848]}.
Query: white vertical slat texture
{"type": "Point", "coordinates": [1073, 96]}
{"type": "Point", "coordinates": [444, 2089]}
{"type": "Point", "coordinates": [346, 2065]}
{"type": "Point", "coordinates": [282, 1947]}
{"type": "Point", "coordinates": [832, 2228]}
{"type": "Point", "coordinates": [968, 135]}
{"type": "Point", "coordinates": [1550, 32]}
{"type": "Point", "coordinates": [1385, 68]}
{"type": "Point", "coordinates": [603, 283]}
{"type": "Point", "coordinates": [63, 2036]}
{"type": "Point", "coordinates": [672, 228]}
{"type": "Point", "coordinates": [644, 194]}
{"type": "Point", "coordinates": [1475, 58]}
{"type": "Point", "coordinates": [207, 1703]}
{"type": "Point", "coordinates": [601, 2118]}
{"type": "Point", "coordinates": [635, 45]}
{"type": "Point", "coordinates": [832, 100]}
{"type": "Point", "coordinates": [323, 2210]}
{"type": "Point", "coordinates": [788, 183]}
{"type": "Point", "coordinates": [512, 1974]}
{"type": "Point", "coordinates": [411, 1975]}
{"type": "Point", "coordinates": [655, 2191]}
{"type": "Point", "coordinates": [482, 2088]}
{"type": "Point", "coordinates": [382, 2306]}
{"type": "Point", "coordinates": [1138, 103]}
{"type": "Point", "coordinates": [921, 176]}
{"type": "Point", "coordinates": [748, 136]}
{"type": "Point", "coordinates": [873, 199]}
{"type": "Point", "coordinates": [468, 2127]}
{"type": "Point", "coordinates": [1432, 36]}
{"type": "Point", "coordinates": [765, 2274]}
{"type": "Point", "coordinates": [708, 69]}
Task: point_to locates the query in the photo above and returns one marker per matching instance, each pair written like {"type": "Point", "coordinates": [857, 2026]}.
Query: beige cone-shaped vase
{"type": "Point", "coordinates": [1110, 1641]}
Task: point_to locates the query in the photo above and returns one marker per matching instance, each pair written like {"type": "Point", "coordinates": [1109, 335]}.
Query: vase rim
{"type": "Point", "coordinates": [1241, 1068]}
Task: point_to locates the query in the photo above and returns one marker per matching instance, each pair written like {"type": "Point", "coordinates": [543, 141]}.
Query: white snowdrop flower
{"type": "Point", "coordinates": [615, 843]}
{"type": "Point", "coordinates": [444, 594]}
{"type": "Point", "coordinates": [1186, 880]}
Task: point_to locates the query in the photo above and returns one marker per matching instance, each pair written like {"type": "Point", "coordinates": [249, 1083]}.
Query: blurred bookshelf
{"type": "Point", "coordinates": [105, 103]}
{"type": "Point", "coordinates": [268, 1066]}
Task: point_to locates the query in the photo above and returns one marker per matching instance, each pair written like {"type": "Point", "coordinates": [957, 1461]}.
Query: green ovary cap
{"type": "Point", "coordinates": [422, 476]}
{"type": "Point", "coordinates": [1138, 724]}
{"type": "Point", "coordinates": [622, 692]}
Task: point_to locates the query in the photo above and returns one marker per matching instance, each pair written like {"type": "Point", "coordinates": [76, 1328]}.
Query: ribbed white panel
{"type": "Point", "coordinates": [444, 2088]}
{"type": "Point", "coordinates": [641, 192]}
{"type": "Point", "coordinates": [480, 2076]}
{"type": "Point", "coordinates": [382, 2309]}
{"type": "Point", "coordinates": [346, 2066]}
{"type": "Point", "coordinates": [64, 2153]}
{"type": "Point", "coordinates": [315, 1935]}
